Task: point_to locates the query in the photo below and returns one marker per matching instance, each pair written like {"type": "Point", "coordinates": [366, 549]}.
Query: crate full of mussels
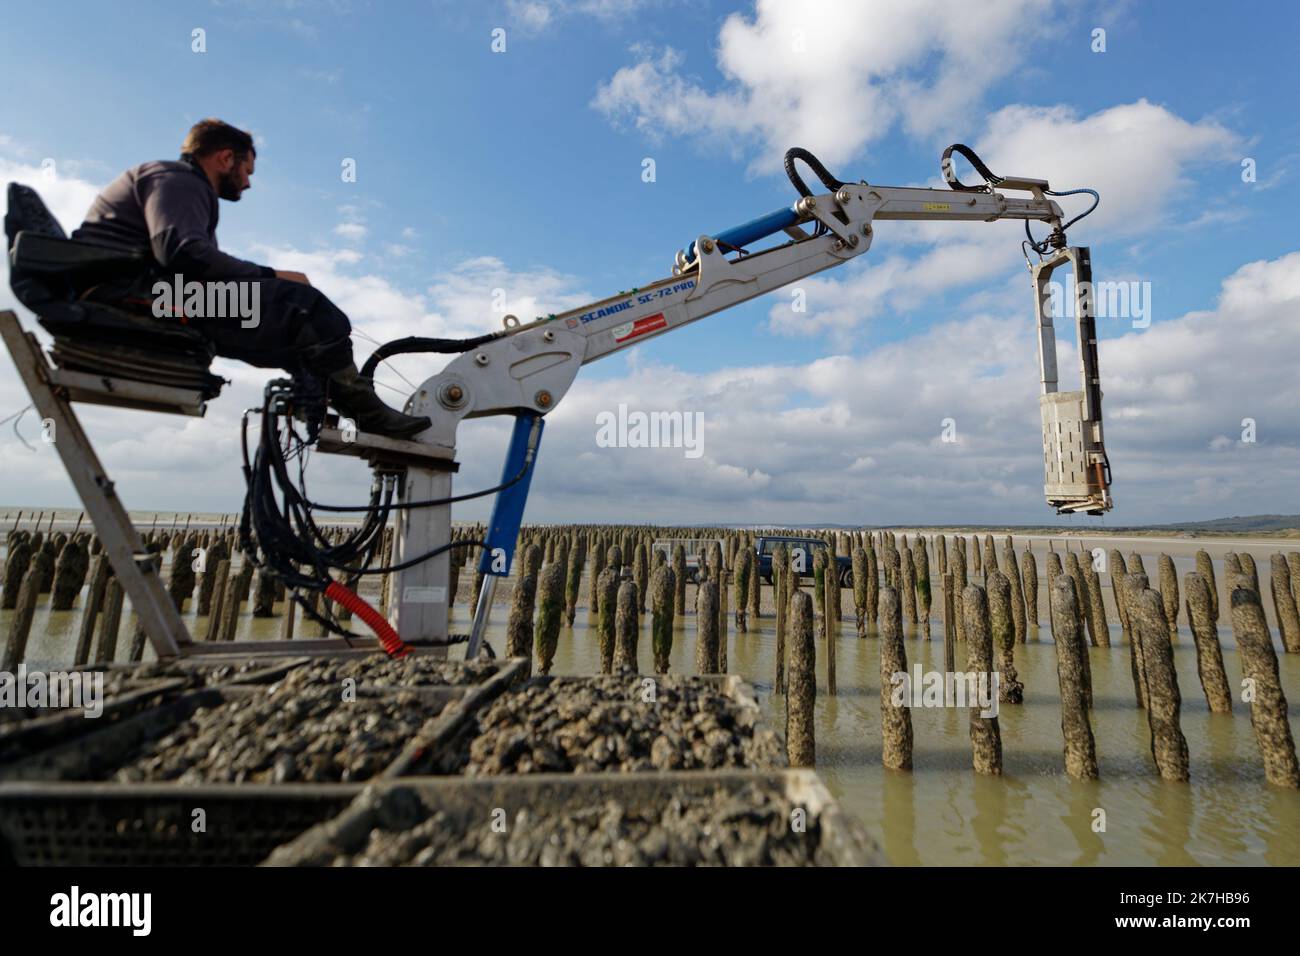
{"type": "Point", "coordinates": [618, 723]}
{"type": "Point", "coordinates": [714, 818]}
{"type": "Point", "coordinates": [223, 774]}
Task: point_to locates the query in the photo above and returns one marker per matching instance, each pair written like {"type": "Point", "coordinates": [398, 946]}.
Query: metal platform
{"type": "Point", "coordinates": [385, 453]}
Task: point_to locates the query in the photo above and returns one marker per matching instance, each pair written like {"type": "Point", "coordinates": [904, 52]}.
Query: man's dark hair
{"type": "Point", "coordinates": [212, 135]}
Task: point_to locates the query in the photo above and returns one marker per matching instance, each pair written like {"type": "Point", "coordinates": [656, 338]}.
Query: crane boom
{"type": "Point", "coordinates": [527, 369]}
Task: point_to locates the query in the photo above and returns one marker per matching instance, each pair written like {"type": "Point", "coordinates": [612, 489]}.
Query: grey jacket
{"type": "Point", "coordinates": [171, 207]}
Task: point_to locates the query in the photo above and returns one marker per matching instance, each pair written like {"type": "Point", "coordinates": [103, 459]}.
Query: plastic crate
{"type": "Point", "coordinates": [53, 810]}
{"type": "Point", "coordinates": [473, 811]}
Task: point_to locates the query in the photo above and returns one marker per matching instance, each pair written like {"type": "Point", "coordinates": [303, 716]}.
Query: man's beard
{"type": "Point", "coordinates": [228, 185]}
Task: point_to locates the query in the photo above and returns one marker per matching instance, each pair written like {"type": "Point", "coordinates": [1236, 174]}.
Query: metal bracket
{"type": "Point", "coordinates": [132, 564]}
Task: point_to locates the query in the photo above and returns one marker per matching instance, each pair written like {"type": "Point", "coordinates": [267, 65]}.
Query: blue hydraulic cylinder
{"type": "Point", "coordinates": [508, 512]}
{"type": "Point", "coordinates": [742, 235]}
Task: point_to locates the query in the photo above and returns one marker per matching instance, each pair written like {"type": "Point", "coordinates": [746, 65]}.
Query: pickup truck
{"type": "Point", "coordinates": [764, 547]}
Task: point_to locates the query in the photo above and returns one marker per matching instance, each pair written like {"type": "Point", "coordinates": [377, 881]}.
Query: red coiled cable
{"type": "Point", "coordinates": [393, 645]}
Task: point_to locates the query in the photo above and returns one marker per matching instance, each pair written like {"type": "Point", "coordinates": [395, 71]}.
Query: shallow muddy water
{"type": "Point", "coordinates": [941, 812]}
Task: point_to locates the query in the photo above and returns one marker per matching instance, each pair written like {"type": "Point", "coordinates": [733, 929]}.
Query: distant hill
{"type": "Point", "coordinates": [1236, 524]}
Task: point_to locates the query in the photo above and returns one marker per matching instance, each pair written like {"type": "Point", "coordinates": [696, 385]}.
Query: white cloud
{"type": "Point", "coordinates": [832, 76]}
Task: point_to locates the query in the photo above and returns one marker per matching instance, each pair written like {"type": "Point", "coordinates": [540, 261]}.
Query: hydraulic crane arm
{"type": "Point", "coordinates": [528, 368]}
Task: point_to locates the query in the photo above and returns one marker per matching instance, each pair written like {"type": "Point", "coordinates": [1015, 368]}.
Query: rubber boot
{"type": "Point", "coordinates": [354, 396]}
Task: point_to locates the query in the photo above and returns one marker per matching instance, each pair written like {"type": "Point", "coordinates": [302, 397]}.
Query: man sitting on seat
{"type": "Point", "coordinates": [172, 208]}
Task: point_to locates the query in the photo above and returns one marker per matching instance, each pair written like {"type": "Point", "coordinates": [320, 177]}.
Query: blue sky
{"type": "Point", "coordinates": [522, 170]}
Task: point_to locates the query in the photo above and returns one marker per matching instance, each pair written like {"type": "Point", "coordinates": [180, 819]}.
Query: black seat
{"type": "Point", "coordinates": [47, 272]}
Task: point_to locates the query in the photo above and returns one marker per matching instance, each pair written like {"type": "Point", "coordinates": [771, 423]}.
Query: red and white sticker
{"type": "Point", "coordinates": [631, 330]}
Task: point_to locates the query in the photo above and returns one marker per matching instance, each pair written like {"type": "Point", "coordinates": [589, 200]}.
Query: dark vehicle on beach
{"type": "Point", "coordinates": [764, 547]}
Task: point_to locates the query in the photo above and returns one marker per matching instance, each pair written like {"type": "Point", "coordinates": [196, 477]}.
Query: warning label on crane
{"type": "Point", "coordinates": [631, 330]}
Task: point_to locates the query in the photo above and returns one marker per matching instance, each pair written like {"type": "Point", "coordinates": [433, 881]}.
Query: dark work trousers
{"type": "Point", "coordinates": [299, 328]}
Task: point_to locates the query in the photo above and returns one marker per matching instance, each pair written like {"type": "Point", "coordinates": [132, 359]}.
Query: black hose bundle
{"type": "Point", "coordinates": [278, 531]}
{"type": "Point", "coordinates": [1056, 240]}
{"type": "Point", "coordinates": [417, 343]}
{"type": "Point", "coordinates": [830, 182]}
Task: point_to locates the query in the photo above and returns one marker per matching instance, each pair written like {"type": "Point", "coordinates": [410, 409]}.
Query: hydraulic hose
{"type": "Point", "coordinates": [393, 645]}
{"type": "Point", "coordinates": [417, 343]}
{"type": "Point", "coordinates": [950, 173]}
{"type": "Point", "coordinates": [815, 164]}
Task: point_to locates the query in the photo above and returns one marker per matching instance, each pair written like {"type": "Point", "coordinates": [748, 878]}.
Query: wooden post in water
{"type": "Point", "coordinates": [1164, 703]}
{"type": "Point", "coordinates": [16, 564]}
{"type": "Point", "coordinates": [1096, 604]}
{"type": "Point", "coordinates": [99, 572]}
{"type": "Point", "coordinates": [625, 628]}
{"type": "Point", "coordinates": [550, 615]}
{"type": "Point", "coordinates": [781, 572]}
{"type": "Point", "coordinates": [706, 626]}
{"type": "Point", "coordinates": [907, 586]}
{"type": "Point", "coordinates": [830, 575]}
{"type": "Point", "coordinates": [20, 625]}
{"type": "Point", "coordinates": [1029, 574]}
{"type": "Point", "coordinates": [1247, 561]}
{"type": "Point", "coordinates": [573, 579]}
{"type": "Point", "coordinates": [801, 696]}
{"type": "Point", "coordinates": [287, 619]}
{"type": "Point", "coordinates": [720, 578]}
{"type": "Point", "coordinates": [1131, 586]}
{"type": "Point", "coordinates": [923, 592]}
{"type": "Point", "coordinates": [1168, 578]}
{"type": "Point", "coordinates": [1011, 571]}
{"type": "Point", "coordinates": [662, 588]}
{"type": "Point", "coordinates": [1080, 747]}
{"type": "Point", "coordinates": [1002, 624]}
{"type": "Point", "coordinates": [895, 719]}
{"type": "Point", "coordinates": [519, 625]}
{"type": "Point", "coordinates": [606, 591]}
{"type": "Point", "coordinates": [1073, 569]}
{"type": "Point", "coordinates": [219, 574]}
{"type": "Point", "coordinates": [1205, 568]}
{"type": "Point", "coordinates": [230, 605]}
{"type": "Point", "coordinates": [859, 558]}
{"type": "Point", "coordinates": [679, 572]}
{"type": "Point", "coordinates": [958, 565]}
{"type": "Point", "coordinates": [1268, 708]}
{"type": "Point", "coordinates": [985, 735]}
{"type": "Point", "coordinates": [106, 650]}
{"type": "Point", "coordinates": [70, 574]}
{"type": "Point", "coordinates": [1288, 620]}
{"type": "Point", "coordinates": [1205, 635]}
{"type": "Point", "coordinates": [949, 629]}
{"type": "Point", "coordinates": [873, 583]}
